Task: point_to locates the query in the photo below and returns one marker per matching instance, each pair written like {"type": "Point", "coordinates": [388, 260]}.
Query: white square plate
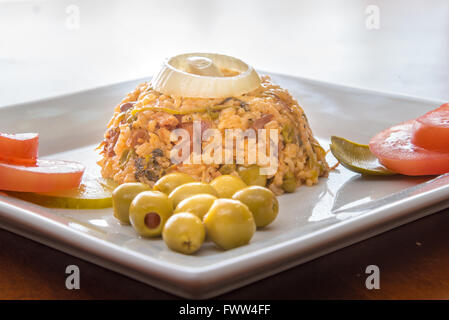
{"type": "Point", "coordinates": [340, 210]}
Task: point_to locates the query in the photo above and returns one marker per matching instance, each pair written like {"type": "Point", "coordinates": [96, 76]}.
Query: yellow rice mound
{"type": "Point", "coordinates": [137, 144]}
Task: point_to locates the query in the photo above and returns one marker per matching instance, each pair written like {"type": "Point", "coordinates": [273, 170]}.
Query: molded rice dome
{"type": "Point", "coordinates": [207, 115]}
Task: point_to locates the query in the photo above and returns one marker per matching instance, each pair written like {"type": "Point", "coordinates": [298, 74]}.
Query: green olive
{"type": "Point", "coordinates": [262, 203]}
{"type": "Point", "coordinates": [227, 168]}
{"type": "Point", "coordinates": [227, 185]}
{"type": "Point", "coordinates": [252, 177]}
{"type": "Point", "coordinates": [169, 182]}
{"type": "Point", "coordinates": [198, 204]}
{"type": "Point", "coordinates": [189, 189]}
{"type": "Point", "coordinates": [289, 183]}
{"type": "Point", "coordinates": [149, 211]}
{"type": "Point", "coordinates": [122, 197]}
{"type": "Point", "coordinates": [184, 232]}
{"type": "Point", "coordinates": [229, 223]}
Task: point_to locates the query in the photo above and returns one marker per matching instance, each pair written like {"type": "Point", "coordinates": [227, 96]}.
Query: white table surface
{"type": "Point", "coordinates": [45, 50]}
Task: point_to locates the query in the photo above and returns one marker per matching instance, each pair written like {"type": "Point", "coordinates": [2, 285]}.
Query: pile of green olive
{"type": "Point", "coordinates": [183, 211]}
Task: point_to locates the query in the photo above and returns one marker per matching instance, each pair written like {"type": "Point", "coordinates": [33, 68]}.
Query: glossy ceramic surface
{"type": "Point", "coordinates": [313, 221]}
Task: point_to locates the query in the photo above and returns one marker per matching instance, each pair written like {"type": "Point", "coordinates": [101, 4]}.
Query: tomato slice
{"type": "Point", "coordinates": [431, 131]}
{"type": "Point", "coordinates": [396, 151]}
{"type": "Point", "coordinates": [19, 148]}
{"type": "Point", "coordinates": [45, 176]}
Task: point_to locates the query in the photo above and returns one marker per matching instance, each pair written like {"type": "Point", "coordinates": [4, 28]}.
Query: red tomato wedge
{"type": "Point", "coordinates": [396, 151]}
{"type": "Point", "coordinates": [19, 148]}
{"type": "Point", "coordinates": [45, 176]}
{"type": "Point", "coordinates": [431, 131]}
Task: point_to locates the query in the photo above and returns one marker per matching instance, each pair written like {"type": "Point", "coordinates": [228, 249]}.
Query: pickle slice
{"type": "Point", "coordinates": [93, 193]}
{"type": "Point", "coordinates": [357, 157]}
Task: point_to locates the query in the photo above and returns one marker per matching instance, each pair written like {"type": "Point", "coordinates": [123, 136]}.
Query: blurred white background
{"type": "Point", "coordinates": [50, 48]}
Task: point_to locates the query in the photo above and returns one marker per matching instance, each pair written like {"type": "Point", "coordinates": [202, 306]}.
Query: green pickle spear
{"type": "Point", "coordinates": [93, 193]}
{"type": "Point", "coordinates": [357, 157]}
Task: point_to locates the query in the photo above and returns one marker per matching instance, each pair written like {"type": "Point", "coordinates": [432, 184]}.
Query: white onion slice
{"type": "Point", "coordinates": [200, 75]}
